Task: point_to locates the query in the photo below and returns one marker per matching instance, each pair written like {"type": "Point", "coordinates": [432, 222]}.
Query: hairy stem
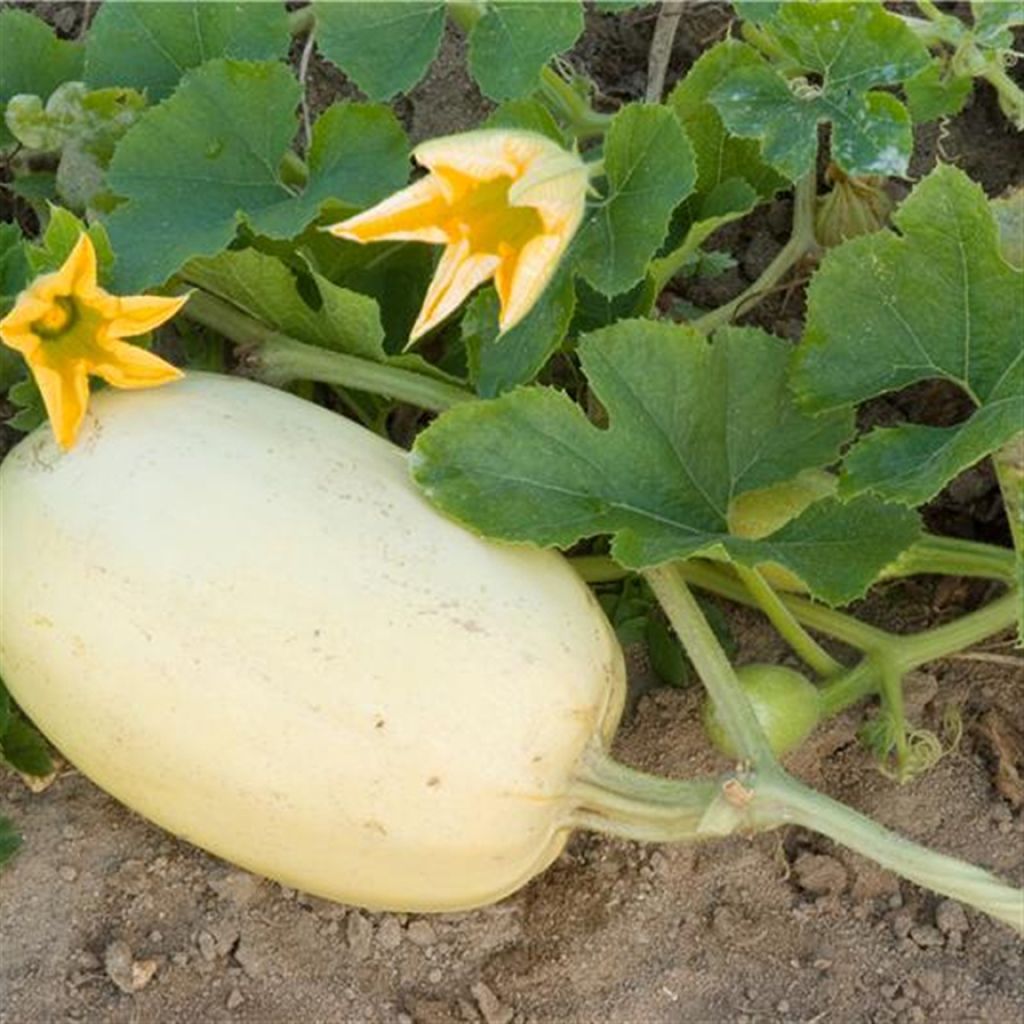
{"type": "Point", "coordinates": [730, 702]}
{"type": "Point", "coordinates": [783, 619]}
{"type": "Point", "coordinates": [279, 359]}
{"type": "Point", "coordinates": [946, 875]}
{"type": "Point", "coordinates": [801, 242]}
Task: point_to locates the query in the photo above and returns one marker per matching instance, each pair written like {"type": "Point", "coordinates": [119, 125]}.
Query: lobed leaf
{"type": "Point", "coordinates": [937, 300]}
{"type": "Point", "coordinates": [211, 156]}
{"type": "Point", "coordinates": [845, 49]}
{"type": "Point", "coordinates": [692, 426]}
{"type": "Point", "coordinates": [720, 156]}
{"type": "Point", "coordinates": [385, 48]}
{"type": "Point", "coordinates": [513, 40]}
{"type": "Point", "coordinates": [149, 46]}
{"type": "Point", "coordinates": [650, 169]}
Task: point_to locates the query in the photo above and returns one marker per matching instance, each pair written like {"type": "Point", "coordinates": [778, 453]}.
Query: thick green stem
{"type": "Point", "coordinates": [301, 20]}
{"type": "Point", "coordinates": [910, 652]}
{"type": "Point", "coordinates": [783, 619]}
{"type": "Point", "coordinates": [279, 359]}
{"type": "Point", "coordinates": [850, 688]}
{"type": "Point", "coordinates": [801, 242]}
{"type": "Point", "coordinates": [582, 120]}
{"type": "Point", "coordinates": [946, 875]}
{"type": "Point", "coordinates": [950, 556]}
{"type": "Point", "coordinates": [697, 637]}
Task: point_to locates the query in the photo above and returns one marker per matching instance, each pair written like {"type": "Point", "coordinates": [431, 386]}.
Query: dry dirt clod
{"type": "Point", "coordinates": [389, 934]}
{"type": "Point", "coordinates": [359, 933]}
{"type": "Point", "coordinates": [236, 887]}
{"type": "Point", "coordinates": [819, 874]}
{"type": "Point", "coordinates": [926, 936]}
{"type": "Point", "coordinates": [950, 918]}
{"type": "Point", "coordinates": [127, 973]}
{"type": "Point", "coordinates": [235, 999]}
{"type": "Point", "coordinates": [494, 1012]}
{"type": "Point", "coordinates": [422, 934]}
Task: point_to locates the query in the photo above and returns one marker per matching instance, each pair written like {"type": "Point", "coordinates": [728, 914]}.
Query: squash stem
{"type": "Point", "coordinates": [783, 619]}
{"type": "Point", "coordinates": [278, 359]}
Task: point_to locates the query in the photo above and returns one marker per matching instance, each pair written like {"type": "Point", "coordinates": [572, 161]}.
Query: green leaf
{"type": "Point", "coordinates": [385, 48]}
{"type": "Point", "coordinates": [720, 156]}
{"type": "Point", "coordinates": [693, 425]}
{"type": "Point", "coordinates": [10, 840]}
{"type": "Point", "coordinates": [63, 230]}
{"type": "Point", "coordinates": [650, 169]}
{"type": "Point", "coordinates": [513, 40]}
{"type": "Point", "coordinates": [25, 397]}
{"type": "Point", "coordinates": [149, 46]}
{"type": "Point", "coordinates": [210, 156]}
{"type": "Point", "coordinates": [32, 60]}
{"type": "Point", "coordinates": [937, 300]}
{"type": "Point", "coordinates": [13, 266]}
{"type": "Point", "coordinates": [262, 286]}
{"type": "Point", "coordinates": [5, 708]}
{"type": "Point", "coordinates": [994, 21]}
{"type": "Point", "coordinates": [24, 749]}
{"type": "Point", "coordinates": [936, 92]}
{"type": "Point", "coordinates": [526, 115]}
{"type": "Point", "coordinates": [1009, 214]}
{"type": "Point", "coordinates": [498, 364]}
{"type": "Point", "coordinates": [849, 47]}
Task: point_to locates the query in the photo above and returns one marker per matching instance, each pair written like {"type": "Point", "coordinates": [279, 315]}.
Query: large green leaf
{"type": "Point", "coordinates": [23, 747]}
{"type": "Point", "coordinates": [149, 46]}
{"type": "Point", "coordinates": [836, 52]}
{"type": "Point", "coordinates": [211, 155]}
{"type": "Point", "coordinates": [936, 300]}
{"type": "Point", "coordinates": [517, 356]}
{"type": "Point", "coordinates": [13, 265]}
{"type": "Point", "coordinates": [32, 60]}
{"type": "Point", "coordinates": [385, 48]}
{"type": "Point", "coordinates": [513, 40]}
{"type": "Point", "coordinates": [693, 426]}
{"type": "Point", "coordinates": [649, 164]}
{"type": "Point", "coordinates": [10, 840]}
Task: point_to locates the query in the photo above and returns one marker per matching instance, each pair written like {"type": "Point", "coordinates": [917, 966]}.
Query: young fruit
{"type": "Point", "coordinates": [233, 611]}
{"type": "Point", "coordinates": [785, 703]}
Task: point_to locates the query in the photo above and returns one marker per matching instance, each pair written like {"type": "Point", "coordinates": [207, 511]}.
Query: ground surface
{"type": "Point", "coordinates": [783, 928]}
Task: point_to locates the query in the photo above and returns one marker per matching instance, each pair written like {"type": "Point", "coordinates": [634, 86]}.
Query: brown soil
{"type": "Point", "coordinates": [104, 918]}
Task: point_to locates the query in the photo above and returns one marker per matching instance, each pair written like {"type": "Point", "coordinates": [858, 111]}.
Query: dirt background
{"type": "Point", "coordinates": [104, 918]}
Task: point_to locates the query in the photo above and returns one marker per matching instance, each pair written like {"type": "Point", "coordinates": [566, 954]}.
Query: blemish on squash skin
{"type": "Point", "coordinates": [433, 781]}
{"type": "Point", "coordinates": [375, 826]}
{"type": "Point", "coordinates": [43, 621]}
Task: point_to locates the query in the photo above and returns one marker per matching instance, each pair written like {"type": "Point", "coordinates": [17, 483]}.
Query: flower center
{"type": "Point", "coordinates": [484, 215]}
{"type": "Point", "coordinates": [57, 320]}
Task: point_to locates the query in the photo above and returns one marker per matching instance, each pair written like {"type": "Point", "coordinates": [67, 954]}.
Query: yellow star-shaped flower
{"type": "Point", "coordinates": [504, 204]}
{"type": "Point", "coordinates": [67, 327]}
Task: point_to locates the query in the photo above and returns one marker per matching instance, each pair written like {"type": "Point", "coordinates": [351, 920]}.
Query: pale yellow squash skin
{"type": "Point", "coordinates": [233, 611]}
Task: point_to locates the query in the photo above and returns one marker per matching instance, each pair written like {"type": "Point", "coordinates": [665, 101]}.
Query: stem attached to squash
{"type": "Point", "coordinates": [278, 359]}
{"type": "Point", "coordinates": [619, 800]}
{"type": "Point", "coordinates": [801, 242]}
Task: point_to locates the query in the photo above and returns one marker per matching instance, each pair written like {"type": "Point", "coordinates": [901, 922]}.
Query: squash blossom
{"type": "Point", "coordinates": [67, 328]}
{"type": "Point", "coordinates": [504, 204]}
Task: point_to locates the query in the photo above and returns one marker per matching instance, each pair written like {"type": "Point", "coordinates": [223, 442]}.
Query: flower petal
{"type": "Point", "coordinates": [78, 272]}
{"type": "Point", "coordinates": [523, 276]}
{"type": "Point", "coordinates": [485, 154]}
{"type": "Point", "coordinates": [458, 273]}
{"type": "Point", "coordinates": [136, 314]}
{"type": "Point", "coordinates": [128, 366]}
{"type": "Point", "coordinates": [556, 187]}
{"type": "Point", "coordinates": [411, 215]}
{"type": "Point", "coordinates": [65, 394]}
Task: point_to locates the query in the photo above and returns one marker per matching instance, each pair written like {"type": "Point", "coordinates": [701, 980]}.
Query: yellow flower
{"type": "Point", "coordinates": [67, 328]}
{"type": "Point", "coordinates": [504, 204]}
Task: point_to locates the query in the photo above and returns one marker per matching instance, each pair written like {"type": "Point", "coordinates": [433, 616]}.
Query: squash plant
{"type": "Point", "coordinates": [172, 151]}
